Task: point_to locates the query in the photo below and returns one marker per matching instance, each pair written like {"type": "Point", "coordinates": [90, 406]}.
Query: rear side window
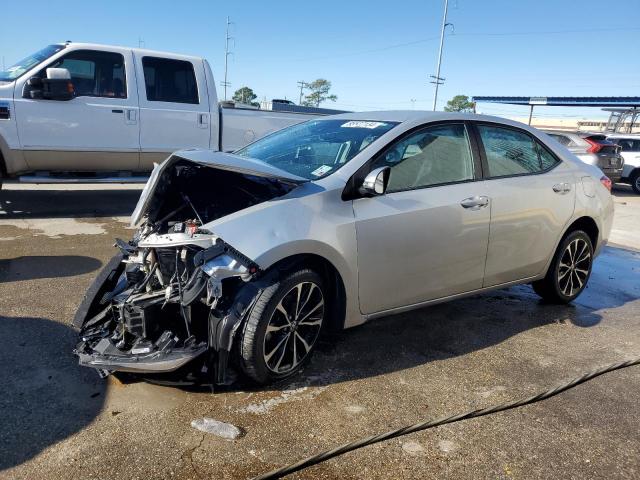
{"type": "Point", "coordinates": [511, 152]}
{"type": "Point", "coordinates": [95, 73]}
{"type": "Point", "coordinates": [627, 144]}
{"type": "Point", "coordinates": [432, 156]}
{"type": "Point", "coordinates": [171, 81]}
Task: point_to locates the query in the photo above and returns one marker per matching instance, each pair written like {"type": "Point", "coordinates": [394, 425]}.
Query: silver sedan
{"type": "Point", "coordinates": [241, 260]}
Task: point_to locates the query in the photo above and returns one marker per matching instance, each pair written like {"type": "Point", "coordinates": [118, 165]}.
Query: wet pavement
{"type": "Point", "coordinates": [61, 421]}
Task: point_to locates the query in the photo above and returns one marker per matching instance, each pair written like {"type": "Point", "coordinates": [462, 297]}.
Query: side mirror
{"type": "Point", "coordinates": [57, 86]}
{"type": "Point", "coordinates": [375, 183]}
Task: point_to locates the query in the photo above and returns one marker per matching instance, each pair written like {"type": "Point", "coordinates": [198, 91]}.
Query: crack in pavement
{"type": "Point", "coordinates": [189, 453]}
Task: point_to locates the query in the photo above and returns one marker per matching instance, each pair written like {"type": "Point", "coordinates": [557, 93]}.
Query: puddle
{"type": "Point", "coordinates": [55, 227]}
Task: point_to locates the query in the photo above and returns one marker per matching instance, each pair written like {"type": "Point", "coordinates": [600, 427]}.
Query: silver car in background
{"type": "Point", "coordinates": [241, 260]}
{"type": "Point", "coordinates": [594, 149]}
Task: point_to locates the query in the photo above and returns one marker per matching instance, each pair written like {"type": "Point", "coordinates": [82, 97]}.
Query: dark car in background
{"type": "Point", "coordinates": [593, 149]}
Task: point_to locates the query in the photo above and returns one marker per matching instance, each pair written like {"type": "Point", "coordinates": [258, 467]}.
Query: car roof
{"type": "Point", "coordinates": [419, 116]}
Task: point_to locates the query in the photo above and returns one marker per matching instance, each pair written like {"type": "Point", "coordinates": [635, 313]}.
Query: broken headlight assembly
{"type": "Point", "coordinates": [156, 308]}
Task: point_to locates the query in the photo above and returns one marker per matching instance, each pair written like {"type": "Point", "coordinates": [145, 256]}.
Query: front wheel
{"type": "Point", "coordinates": [569, 271]}
{"type": "Point", "coordinates": [283, 326]}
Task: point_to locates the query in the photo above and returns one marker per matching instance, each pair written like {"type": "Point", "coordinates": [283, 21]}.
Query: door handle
{"type": "Point", "coordinates": [131, 116]}
{"type": "Point", "coordinates": [475, 203]}
{"type": "Point", "coordinates": [203, 120]}
{"type": "Point", "coordinates": [562, 188]}
{"type": "Point", "coordinates": [116, 111]}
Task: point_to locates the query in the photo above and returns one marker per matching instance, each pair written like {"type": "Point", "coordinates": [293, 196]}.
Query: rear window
{"type": "Point", "coordinates": [172, 81]}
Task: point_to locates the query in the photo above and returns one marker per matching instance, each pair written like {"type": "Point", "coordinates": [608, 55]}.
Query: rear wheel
{"type": "Point", "coordinates": [635, 181]}
{"type": "Point", "coordinates": [283, 326]}
{"type": "Point", "coordinates": [569, 271]}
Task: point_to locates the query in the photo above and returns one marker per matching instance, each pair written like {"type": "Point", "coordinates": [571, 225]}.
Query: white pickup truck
{"type": "Point", "coordinates": [102, 113]}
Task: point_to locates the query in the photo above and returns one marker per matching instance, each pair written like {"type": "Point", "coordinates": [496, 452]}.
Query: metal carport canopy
{"type": "Point", "coordinates": [564, 101]}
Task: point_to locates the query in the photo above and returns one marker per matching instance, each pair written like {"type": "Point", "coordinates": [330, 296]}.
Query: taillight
{"type": "Point", "coordinates": [606, 181]}
{"type": "Point", "coordinates": [595, 146]}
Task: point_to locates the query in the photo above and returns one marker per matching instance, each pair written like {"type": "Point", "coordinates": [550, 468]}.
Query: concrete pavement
{"type": "Point", "coordinates": [62, 421]}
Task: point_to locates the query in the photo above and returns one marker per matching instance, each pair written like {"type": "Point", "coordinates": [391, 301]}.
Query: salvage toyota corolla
{"type": "Point", "coordinates": [241, 260]}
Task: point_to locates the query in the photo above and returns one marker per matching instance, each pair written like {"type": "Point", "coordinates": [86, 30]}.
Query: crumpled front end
{"type": "Point", "coordinates": [175, 295]}
{"type": "Point", "coordinates": [157, 308]}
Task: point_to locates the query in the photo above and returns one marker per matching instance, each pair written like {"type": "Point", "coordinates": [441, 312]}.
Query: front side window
{"type": "Point", "coordinates": [26, 64]}
{"type": "Point", "coordinates": [169, 80]}
{"type": "Point", "coordinates": [511, 152]}
{"type": "Point", "coordinates": [316, 148]}
{"type": "Point", "coordinates": [433, 156]}
{"type": "Point", "coordinates": [95, 73]}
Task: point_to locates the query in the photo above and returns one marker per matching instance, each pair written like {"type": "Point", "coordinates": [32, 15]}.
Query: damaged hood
{"type": "Point", "coordinates": [208, 158]}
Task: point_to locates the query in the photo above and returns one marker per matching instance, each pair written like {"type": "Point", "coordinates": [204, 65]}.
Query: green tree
{"type": "Point", "coordinates": [319, 93]}
{"type": "Point", "coordinates": [459, 103]}
{"type": "Point", "coordinates": [245, 95]}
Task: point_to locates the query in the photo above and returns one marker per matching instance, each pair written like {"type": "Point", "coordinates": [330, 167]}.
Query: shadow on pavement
{"type": "Point", "coordinates": [67, 203]}
{"type": "Point", "coordinates": [459, 327]}
{"type": "Point", "coordinates": [33, 267]}
{"type": "Point", "coordinates": [45, 396]}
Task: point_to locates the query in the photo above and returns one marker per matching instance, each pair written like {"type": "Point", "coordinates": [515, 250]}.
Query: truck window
{"type": "Point", "coordinates": [169, 80]}
{"type": "Point", "coordinates": [95, 73]}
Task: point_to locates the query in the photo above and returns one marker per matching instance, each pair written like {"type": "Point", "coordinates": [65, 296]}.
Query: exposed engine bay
{"type": "Point", "coordinates": [176, 292]}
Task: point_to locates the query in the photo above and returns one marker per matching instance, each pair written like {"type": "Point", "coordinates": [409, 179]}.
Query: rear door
{"type": "Point", "coordinates": [97, 129]}
{"type": "Point", "coordinates": [174, 106]}
{"type": "Point", "coordinates": [532, 199]}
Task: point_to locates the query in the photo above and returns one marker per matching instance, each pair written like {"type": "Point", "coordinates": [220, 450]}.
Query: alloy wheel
{"type": "Point", "coordinates": [574, 267]}
{"type": "Point", "coordinates": [293, 327]}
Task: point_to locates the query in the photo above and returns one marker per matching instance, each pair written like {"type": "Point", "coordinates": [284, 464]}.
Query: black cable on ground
{"type": "Point", "coordinates": [348, 447]}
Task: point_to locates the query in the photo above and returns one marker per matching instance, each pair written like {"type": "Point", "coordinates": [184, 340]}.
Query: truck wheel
{"type": "Point", "coordinates": [569, 271]}
{"type": "Point", "coordinates": [283, 326]}
{"type": "Point", "coordinates": [635, 181]}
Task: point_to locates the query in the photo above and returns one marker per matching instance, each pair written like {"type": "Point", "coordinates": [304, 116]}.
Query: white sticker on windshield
{"type": "Point", "coordinates": [318, 172]}
{"type": "Point", "coordinates": [362, 124]}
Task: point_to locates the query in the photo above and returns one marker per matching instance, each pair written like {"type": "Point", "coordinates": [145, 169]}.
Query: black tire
{"type": "Point", "coordinates": [268, 312]}
{"type": "Point", "coordinates": [554, 287]}
{"type": "Point", "coordinates": [634, 180]}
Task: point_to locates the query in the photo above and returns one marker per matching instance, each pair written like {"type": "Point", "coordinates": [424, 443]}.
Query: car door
{"type": "Point", "coordinates": [532, 199]}
{"type": "Point", "coordinates": [95, 130]}
{"type": "Point", "coordinates": [426, 237]}
{"type": "Point", "coordinates": [174, 107]}
{"type": "Point", "coordinates": [630, 151]}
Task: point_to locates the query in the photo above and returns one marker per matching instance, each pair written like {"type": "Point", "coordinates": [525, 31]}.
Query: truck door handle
{"type": "Point", "coordinates": [562, 188]}
{"type": "Point", "coordinates": [475, 203]}
{"type": "Point", "coordinates": [116, 111]}
{"type": "Point", "coordinates": [203, 120]}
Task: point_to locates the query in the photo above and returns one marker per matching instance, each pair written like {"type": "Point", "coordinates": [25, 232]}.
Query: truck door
{"type": "Point", "coordinates": [95, 130]}
{"type": "Point", "coordinates": [174, 106]}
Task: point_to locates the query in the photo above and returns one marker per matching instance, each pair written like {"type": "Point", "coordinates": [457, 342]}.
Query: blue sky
{"type": "Point", "coordinates": [377, 54]}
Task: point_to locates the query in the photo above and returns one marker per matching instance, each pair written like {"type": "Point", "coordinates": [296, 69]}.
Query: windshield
{"type": "Point", "coordinates": [28, 63]}
{"type": "Point", "coordinates": [316, 148]}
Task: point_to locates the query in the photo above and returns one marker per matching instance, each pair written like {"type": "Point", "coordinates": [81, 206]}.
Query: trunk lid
{"type": "Point", "coordinates": [216, 160]}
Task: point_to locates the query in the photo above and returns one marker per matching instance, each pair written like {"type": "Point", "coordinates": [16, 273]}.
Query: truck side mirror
{"type": "Point", "coordinates": [58, 85]}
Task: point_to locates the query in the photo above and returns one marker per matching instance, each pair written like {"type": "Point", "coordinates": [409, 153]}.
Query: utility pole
{"type": "Point", "coordinates": [225, 83]}
{"type": "Point", "coordinates": [302, 84]}
{"type": "Point", "coordinates": [413, 104]}
{"type": "Point", "coordinates": [437, 80]}
{"type": "Point", "coordinates": [141, 43]}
